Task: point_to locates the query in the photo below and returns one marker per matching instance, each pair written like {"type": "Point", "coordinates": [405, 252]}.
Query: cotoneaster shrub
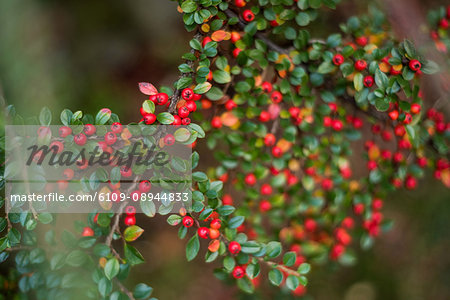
{"type": "Point", "coordinates": [286, 116]}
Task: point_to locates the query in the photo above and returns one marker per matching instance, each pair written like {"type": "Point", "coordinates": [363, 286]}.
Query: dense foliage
{"type": "Point", "coordinates": [286, 117]}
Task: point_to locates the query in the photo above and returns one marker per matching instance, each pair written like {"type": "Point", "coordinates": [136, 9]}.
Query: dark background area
{"type": "Point", "coordinates": [91, 54]}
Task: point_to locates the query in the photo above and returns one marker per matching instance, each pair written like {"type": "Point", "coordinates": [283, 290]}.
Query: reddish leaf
{"type": "Point", "coordinates": [147, 88]}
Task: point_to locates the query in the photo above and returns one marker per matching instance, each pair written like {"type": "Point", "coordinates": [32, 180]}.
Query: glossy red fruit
{"type": "Point", "coordinates": [264, 116]}
{"type": "Point", "coordinates": [368, 81]}
{"type": "Point", "coordinates": [266, 87]}
{"type": "Point", "coordinates": [338, 59]}
{"type": "Point", "coordinates": [236, 52]}
{"type": "Point", "coordinates": [310, 225]}
{"type": "Point", "coordinates": [415, 65]}
{"type": "Point", "coordinates": [337, 125]}
{"type": "Point", "coordinates": [215, 224]}
{"type": "Point", "coordinates": [56, 146]}
{"type": "Point", "coordinates": [362, 41]}
{"type": "Point", "coordinates": [250, 179]}
{"type": "Point", "coordinates": [203, 232]}
{"type": "Point", "coordinates": [68, 174]}
{"type": "Point", "coordinates": [393, 115]}
{"type": "Point", "coordinates": [234, 247]}
{"type": "Point", "coordinates": [206, 40]}
{"type": "Point", "coordinates": [266, 189]}
{"type": "Point", "coordinates": [80, 139]}
{"type": "Point", "coordinates": [169, 140]}
{"type": "Point", "coordinates": [235, 37]}
{"type": "Point", "coordinates": [415, 108]}
{"type": "Point", "coordinates": [239, 3]}
{"type": "Point", "coordinates": [176, 120]}
{"type": "Point", "coordinates": [187, 94]}
{"type": "Point", "coordinates": [110, 138]}
{"type": "Point", "coordinates": [191, 105]}
{"type": "Point", "coordinates": [265, 206]}
{"type": "Point", "coordinates": [248, 15]}
{"type": "Point", "coordinates": [145, 186]}
{"type": "Point", "coordinates": [87, 231]}
{"type": "Point", "coordinates": [64, 131]}
{"type": "Point", "coordinates": [358, 208]}
{"type": "Point", "coordinates": [230, 105]}
{"type": "Point", "coordinates": [276, 97]}
{"type": "Point", "coordinates": [360, 65]}
{"type": "Point", "coordinates": [216, 122]}
{"type": "Point", "coordinates": [149, 119]}
{"type": "Point", "coordinates": [277, 152]}
{"type": "Point", "coordinates": [125, 171]}
{"type": "Point", "coordinates": [162, 98]}
{"type": "Point", "coordinates": [130, 220]}
{"type": "Point", "coordinates": [327, 184]}
{"type": "Point", "coordinates": [186, 121]}
{"type": "Point", "coordinates": [269, 140]}
{"type": "Point", "coordinates": [116, 127]}
{"type": "Point", "coordinates": [89, 129]}
{"type": "Point", "coordinates": [188, 221]}
{"type": "Point", "coordinates": [443, 23]}
{"type": "Point", "coordinates": [371, 165]}
{"type": "Point", "coordinates": [238, 272]}
{"type": "Point", "coordinates": [183, 112]}
{"type": "Point", "coordinates": [410, 182]}
{"type": "Point", "coordinates": [130, 210]}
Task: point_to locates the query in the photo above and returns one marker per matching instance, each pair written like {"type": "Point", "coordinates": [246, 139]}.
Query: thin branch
{"type": "Point", "coordinates": [280, 267]}
{"type": "Point", "coordinates": [124, 289]}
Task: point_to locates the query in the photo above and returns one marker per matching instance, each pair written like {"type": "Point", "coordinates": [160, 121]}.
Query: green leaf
{"type": "Point", "coordinates": [112, 268]}
{"type": "Point", "coordinates": [202, 88]}
{"type": "Point", "coordinates": [381, 79]}
{"type": "Point", "coordinates": [275, 277]}
{"type": "Point", "coordinates": [45, 218]}
{"type": "Point", "coordinates": [304, 268]}
{"type": "Point", "coordinates": [165, 118]}
{"type": "Point", "coordinates": [358, 82]}
{"type": "Point", "coordinates": [66, 117]}
{"type": "Point", "coordinates": [430, 67]}
{"type": "Point", "coordinates": [148, 106]}
{"type": "Point", "coordinates": [104, 287]}
{"type": "Point", "coordinates": [182, 135]}
{"type": "Point", "coordinates": [289, 258]}
{"type": "Point", "coordinates": [382, 104]}
{"type": "Point", "coordinates": [103, 116]}
{"type": "Point", "coordinates": [192, 247]}
{"type": "Point", "coordinates": [188, 6]}
{"type": "Point", "coordinates": [221, 76]}
{"type": "Point", "coordinates": [57, 261]}
{"type": "Point", "coordinates": [133, 256]}
{"type": "Point", "coordinates": [184, 82]}
{"type": "Point", "coordinates": [45, 117]}
{"type": "Point", "coordinates": [235, 222]}
{"type": "Point", "coordinates": [292, 282]}
{"type": "Point", "coordinates": [142, 291]}
{"type": "Point", "coordinates": [214, 94]}
{"type": "Point", "coordinates": [273, 249]}
{"type": "Point", "coordinates": [76, 258]}
{"type": "Point", "coordinates": [132, 233]}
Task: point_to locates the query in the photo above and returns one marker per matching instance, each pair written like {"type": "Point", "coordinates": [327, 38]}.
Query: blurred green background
{"type": "Point", "coordinates": [91, 54]}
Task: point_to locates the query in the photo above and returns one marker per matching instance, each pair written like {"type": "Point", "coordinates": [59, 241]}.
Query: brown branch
{"type": "Point", "coordinates": [124, 289]}
{"type": "Point", "coordinates": [280, 267]}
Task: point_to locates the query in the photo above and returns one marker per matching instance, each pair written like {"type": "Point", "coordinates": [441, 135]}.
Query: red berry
{"type": "Point", "coordinates": [410, 182]}
{"type": "Point", "coordinates": [266, 87]}
{"type": "Point", "coordinates": [234, 247]}
{"type": "Point", "coordinates": [230, 104]}
{"type": "Point", "coordinates": [206, 40]}
{"type": "Point", "coordinates": [357, 123]}
{"type": "Point", "coordinates": [149, 119]}
{"type": "Point", "coordinates": [87, 231]}
{"type": "Point", "coordinates": [408, 118]}
{"type": "Point", "coordinates": [238, 272]}
{"type": "Point", "coordinates": [269, 140]}
{"type": "Point", "coordinates": [125, 171]}
{"type": "Point", "coordinates": [130, 210]}
{"type": "Point", "coordinates": [358, 208]}
{"type": "Point", "coordinates": [187, 94]}
{"type": "Point", "coordinates": [68, 174]}
{"type": "Point", "coordinates": [368, 81]}
{"type": "Point", "coordinates": [338, 59]}
{"type": "Point", "coordinates": [377, 204]}
{"type": "Point", "coordinates": [183, 112]}
{"type": "Point", "coordinates": [186, 121]}
{"type": "Point", "coordinates": [145, 186]}
{"type": "Point", "coordinates": [203, 232]}
{"type": "Point", "coordinates": [264, 116]}
{"type": "Point", "coordinates": [64, 131]}
{"type": "Point", "coordinates": [248, 15]}
{"type": "Point", "coordinates": [130, 220]}
{"type": "Point", "coordinates": [161, 98]}
{"type": "Point", "coordinates": [337, 125]}
{"type": "Point", "coordinates": [415, 65]}
{"type": "Point", "coordinates": [276, 97]}
{"type": "Point", "coordinates": [215, 224]}
{"type": "Point", "coordinates": [443, 23]}
{"type": "Point", "coordinates": [80, 139]}
{"type": "Point", "coordinates": [327, 184]}
{"type": "Point", "coordinates": [169, 140]}
{"type": "Point", "coordinates": [393, 115]}
{"type": "Point", "coordinates": [360, 65]}
{"type": "Point", "coordinates": [415, 108]}
{"type": "Point", "coordinates": [235, 37]}
{"type": "Point", "coordinates": [362, 41]}
{"type": "Point", "coordinates": [116, 127]}
{"type": "Point", "coordinates": [236, 52]}
{"type": "Point", "coordinates": [188, 221]}
{"type": "Point", "coordinates": [266, 189]}
{"type": "Point", "coordinates": [239, 3]}
{"type": "Point", "coordinates": [310, 225]}
{"type": "Point", "coordinates": [191, 106]}
{"type": "Point", "coordinates": [371, 165]}
{"type": "Point", "coordinates": [277, 152]}
{"type": "Point", "coordinates": [265, 205]}
{"type": "Point", "coordinates": [176, 120]}
{"type": "Point", "coordinates": [216, 122]}
{"type": "Point", "coordinates": [89, 129]}
{"type": "Point", "coordinates": [110, 138]}
{"type": "Point", "coordinates": [250, 179]}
